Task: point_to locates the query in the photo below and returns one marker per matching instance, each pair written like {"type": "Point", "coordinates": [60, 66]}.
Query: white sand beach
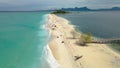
{"type": "Point", "coordinates": [65, 49]}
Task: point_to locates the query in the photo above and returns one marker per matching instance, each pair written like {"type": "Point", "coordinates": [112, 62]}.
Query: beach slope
{"type": "Point", "coordinates": [65, 49]}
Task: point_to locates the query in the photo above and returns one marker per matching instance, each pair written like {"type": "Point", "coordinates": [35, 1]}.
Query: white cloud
{"type": "Point", "coordinates": [45, 4]}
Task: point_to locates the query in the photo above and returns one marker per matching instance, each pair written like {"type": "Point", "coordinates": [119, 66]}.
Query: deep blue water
{"type": "Point", "coordinates": [100, 24]}
{"type": "Point", "coordinates": [103, 24]}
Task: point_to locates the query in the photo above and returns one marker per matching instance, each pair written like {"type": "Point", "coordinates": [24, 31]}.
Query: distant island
{"type": "Point", "coordinates": [59, 12]}
{"type": "Point", "coordinates": [88, 9]}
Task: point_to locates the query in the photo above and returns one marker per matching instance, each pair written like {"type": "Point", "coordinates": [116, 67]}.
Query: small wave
{"type": "Point", "coordinates": [43, 21]}
{"type": "Point", "coordinates": [48, 61]}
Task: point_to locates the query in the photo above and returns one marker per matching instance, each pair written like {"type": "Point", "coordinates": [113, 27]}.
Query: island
{"type": "Point", "coordinates": [59, 12]}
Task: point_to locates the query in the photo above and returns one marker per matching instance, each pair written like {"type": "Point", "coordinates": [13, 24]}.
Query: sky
{"type": "Point", "coordinates": [54, 4]}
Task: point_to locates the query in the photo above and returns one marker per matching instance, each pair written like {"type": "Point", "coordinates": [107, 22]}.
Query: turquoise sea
{"type": "Point", "coordinates": [23, 39]}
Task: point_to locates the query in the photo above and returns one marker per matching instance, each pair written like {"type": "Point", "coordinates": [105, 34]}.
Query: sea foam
{"type": "Point", "coordinates": [47, 59]}
{"type": "Point", "coordinates": [50, 58]}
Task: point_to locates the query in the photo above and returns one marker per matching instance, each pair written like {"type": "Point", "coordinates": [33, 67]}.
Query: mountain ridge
{"type": "Point", "coordinates": [88, 9]}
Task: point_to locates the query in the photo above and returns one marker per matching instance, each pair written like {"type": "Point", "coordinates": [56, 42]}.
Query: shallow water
{"type": "Point", "coordinates": [22, 39]}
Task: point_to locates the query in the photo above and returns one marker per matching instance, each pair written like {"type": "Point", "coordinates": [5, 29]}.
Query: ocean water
{"type": "Point", "coordinates": [23, 40]}
{"type": "Point", "coordinates": [103, 24]}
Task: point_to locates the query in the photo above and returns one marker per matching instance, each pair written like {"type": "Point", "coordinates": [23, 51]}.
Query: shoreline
{"type": "Point", "coordinates": [48, 60]}
{"type": "Point", "coordinates": [64, 49]}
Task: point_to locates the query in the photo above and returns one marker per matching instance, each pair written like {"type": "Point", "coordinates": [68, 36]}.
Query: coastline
{"type": "Point", "coordinates": [64, 48]}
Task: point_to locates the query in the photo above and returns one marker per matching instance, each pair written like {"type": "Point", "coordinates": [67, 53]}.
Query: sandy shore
{"type": "Point", "coordinates": [64, 48]}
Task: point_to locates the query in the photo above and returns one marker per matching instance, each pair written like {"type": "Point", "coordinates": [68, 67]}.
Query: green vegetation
{"type": "Point", "coordinates": [84, 38]}
{"type": "Point", "coordinates": [87, 38]}
{"type": "Point", "coordinates": [59, 12]}
{"type": "Point", "coordinates": [115, 47]}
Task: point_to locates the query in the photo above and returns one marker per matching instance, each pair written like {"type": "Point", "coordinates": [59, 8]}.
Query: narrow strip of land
{"type": "Point", "coordinates": [71, 55]}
